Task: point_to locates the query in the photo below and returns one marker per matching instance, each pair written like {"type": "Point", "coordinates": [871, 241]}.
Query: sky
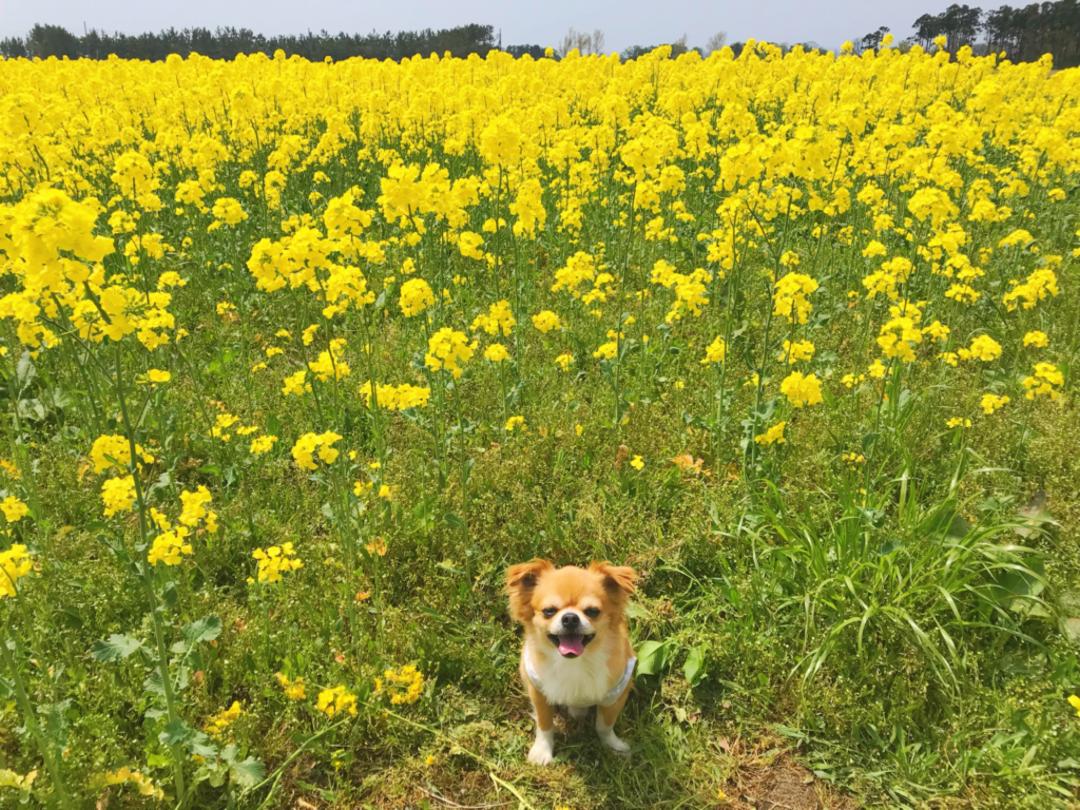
{"type": "Point", "coordinates": [624, 22]}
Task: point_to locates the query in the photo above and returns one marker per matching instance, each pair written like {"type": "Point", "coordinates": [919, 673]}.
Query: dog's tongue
{"type": "Point", "coordinates": [571, 645]}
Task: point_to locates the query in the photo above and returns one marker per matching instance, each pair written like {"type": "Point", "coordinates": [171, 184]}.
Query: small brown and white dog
{"type": "Point", "coordinates": [577, 649]}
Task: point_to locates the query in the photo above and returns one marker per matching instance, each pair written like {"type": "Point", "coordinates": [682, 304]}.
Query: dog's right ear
{"type": "Point", "coordinates": [521, 579]}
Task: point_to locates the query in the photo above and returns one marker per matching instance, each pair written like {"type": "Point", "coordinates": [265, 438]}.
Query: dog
{"type": "Point", "coordinates": [577, 650]}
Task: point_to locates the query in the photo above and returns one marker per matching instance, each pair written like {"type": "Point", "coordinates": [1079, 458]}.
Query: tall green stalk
{"type": "Point", "coordinates": [9, 664]}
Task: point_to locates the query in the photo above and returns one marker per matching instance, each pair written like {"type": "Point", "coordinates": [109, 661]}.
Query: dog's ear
{"type": "Point", "coordinates": [521, 579]}
{"type": "Point", "coordinates": [619, 580]}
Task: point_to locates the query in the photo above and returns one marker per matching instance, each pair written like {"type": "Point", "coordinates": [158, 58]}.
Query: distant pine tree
{"type": "Point", "coordinates": [226, 43]}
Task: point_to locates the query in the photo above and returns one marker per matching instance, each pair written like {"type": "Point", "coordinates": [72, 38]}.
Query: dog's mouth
{"type": "Point", "coordinates": [571, 645]}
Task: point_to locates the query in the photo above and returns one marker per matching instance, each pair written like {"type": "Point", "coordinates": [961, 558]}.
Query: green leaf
{"type": "Point", "coordinates": [201, 746]}
{"type": "Point", "coordinates": [694, 667]}
{"type": "Point", "coordinates": [205, 629]}
{"type": "Point", "coordinates": [1019, 588]}
{"type": "Point", "coordinates": [163, 483]}
{"type": "Point", "coordinates": [31, 409]}
{"type": "Point", "coordinates": [653, 657]}
{"type": "Point", "coordinates": [247, 772]}
{"type": "Point", "coordinates": [176, 732]}
{"type": "Point", "coordinates": [152, 683]}
{"type": "Point", "coordinates": [116, 647]}
{"type": "Point", "coordinates": [218, 365]}
{"type": "Point", "coordinates": [169, 595]}
{"type": "Point", "coordinates": [54, 721]}
{"type": "Point", "coordinates": [1070, 628]}
{"type": "Point", "coordinates": [25, 371]}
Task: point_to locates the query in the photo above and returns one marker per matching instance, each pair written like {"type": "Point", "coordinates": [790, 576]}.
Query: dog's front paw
{"type": "Point", "coordinates": [615, 743]}
{"type": "Point", "coordinates": [542, 752]}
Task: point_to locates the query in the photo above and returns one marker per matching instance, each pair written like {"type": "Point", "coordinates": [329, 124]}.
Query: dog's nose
{"type": "Point", "coordinates": [571, 620]}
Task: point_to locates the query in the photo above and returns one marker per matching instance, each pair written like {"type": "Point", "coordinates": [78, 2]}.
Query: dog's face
{"type": "Point", "coordinates": [570, 607]}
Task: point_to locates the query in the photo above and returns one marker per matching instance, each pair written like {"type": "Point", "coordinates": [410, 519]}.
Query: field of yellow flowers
{"type": "Point", "coordinates": [298, 357]}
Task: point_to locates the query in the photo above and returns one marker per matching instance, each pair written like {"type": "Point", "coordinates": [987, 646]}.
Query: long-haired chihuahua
{"type": "Point", "coordinates": [577, 649]}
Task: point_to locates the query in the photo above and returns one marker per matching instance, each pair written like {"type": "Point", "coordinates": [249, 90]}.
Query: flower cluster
{"type": "Point", "coordinates": [125, 775]}
{"type": "Point", "coordinates": [219, 722]}
{"type": "Point", "coordinates": [1045, 381]}
{"type": "Point", "coordinates": [111, 451]}
{"type": "Point", "coordinates": [336, 700]}
{"type": "Point", "coordinates": [396, 397]}
{"type": "Point", "coordinates": [715, 352]}
{"type": "Point", "coordinates": [14, 509]}
{"type": "Point", "coordinates": [294, 688]}
{"type": "Point", "coordinates": [312, 445]}
{"type": "Point", "coordinates": [497, 320]}
{"type": "Point", "coordinates": [415, 297]}
{"type": "Point", "coordinates": [118, 495]}
{"type": "Point", "coordinates": [15, 564]}
{"type": "Point", "coordinates": [402, 685]}
{"type": "Point", "coordinates": [173, 542]}
{"type": "Point", "coordinates": [801, 389]}
{"type": "Point", "coordinates": [170, 547]}
{"type": "Point", "coordinates": [791, 297]}
{"type": "Point", "coordinates": [275, 561]}
{"type": "Point", "coordinates": [774, 435]}
{"type": "Point", "coordinates": [447, 350]}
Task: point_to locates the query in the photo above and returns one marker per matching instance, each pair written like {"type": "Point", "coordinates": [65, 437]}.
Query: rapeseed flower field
{"type": "Point", "coordinates": [297, 357]}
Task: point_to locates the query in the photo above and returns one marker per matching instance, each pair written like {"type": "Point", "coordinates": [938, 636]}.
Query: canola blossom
{"type": "Point", "coordinates": [15, 563]}
{"type": "Point", "coordinates": [403, 685]}
{"type": "Point", "coordinates": [336, 700]}
{"type": "Point", "coordinates": [274, 561]}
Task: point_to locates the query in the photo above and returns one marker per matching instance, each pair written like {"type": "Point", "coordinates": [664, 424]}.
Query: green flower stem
{"type": "Point", "coordinates": [146, 580]}
{"type": "Point", "coordinates": [26, 706]}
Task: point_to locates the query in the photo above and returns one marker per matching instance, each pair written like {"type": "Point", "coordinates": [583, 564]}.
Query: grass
{"type": "Point", "coordinates": [878, 611]}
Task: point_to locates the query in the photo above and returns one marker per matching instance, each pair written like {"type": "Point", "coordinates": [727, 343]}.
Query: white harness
{"type": "Point", "coordinates": [612, 694]}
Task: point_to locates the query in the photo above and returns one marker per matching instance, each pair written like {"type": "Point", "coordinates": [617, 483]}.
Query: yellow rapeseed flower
{"type": "Point", "coordinates": [1045, 381]}
{"type": "Point", "coordinates": [715, 353]}
{"type": "Point", "coordinates": [315, 445]}
{"type": "Point", "coordinates": [219, 722]}
{"type": "Point", "coordinates": [546, 320]}
{"type": "Point", "coordinates": [1037, 339]}
{"type": "Point", "coordinates": [774, 435]}
{"type": "Point", "coordinates": [118, 495]}
{"type": "Point", "coordinates": [801, 389]}
{"type": "Point", "coordinates": [403, 685]}
{"type": "Point", "coordinates": [336, 700]}
{"type": "Point", "coordinates": [14, 509]}
{"type": "Point", "coordinates": [415, 297]}
{"type": "Point", "coordinates": [274, 561]}
{"type": "Point", "coordinates": [293, 688]}
{"type": "Point", "coordinates": [15, 564]}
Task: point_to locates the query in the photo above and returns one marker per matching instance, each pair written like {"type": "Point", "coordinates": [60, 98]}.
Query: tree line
{"type": "Point", "coordinates": [1024, 34]}
{"type": "Point", "coordinates": [225, 43]}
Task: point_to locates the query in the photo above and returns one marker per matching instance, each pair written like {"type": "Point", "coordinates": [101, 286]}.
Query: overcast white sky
{"type": "Point", "coordinates": [624, 22]}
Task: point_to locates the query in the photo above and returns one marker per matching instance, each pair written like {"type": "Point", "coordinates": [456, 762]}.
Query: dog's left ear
{"type": "Point", "coordinates": [520, 581]}
{"type": "Point", "coordinates": [619, 579]}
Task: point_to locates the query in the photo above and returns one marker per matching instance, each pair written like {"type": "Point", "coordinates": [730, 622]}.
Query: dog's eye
{"type": "Point", "coordinates": [592, 612]}
{"type": "Point", "coordinates": [549, 612]}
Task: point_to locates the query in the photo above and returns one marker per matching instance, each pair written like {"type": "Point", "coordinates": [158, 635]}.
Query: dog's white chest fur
{"type": "Point", "coordinates": [575, 682]}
